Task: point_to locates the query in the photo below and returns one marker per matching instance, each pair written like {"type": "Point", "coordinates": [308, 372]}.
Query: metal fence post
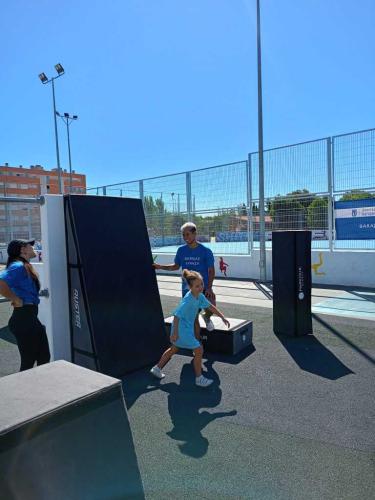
{"type": "Point", "coordinates": [188, 194]}
{"type": "Point", "coordinates": [141, 192]}
{"type": "Point", "coordinates": [330, 205]}
{"type": "Point", "coordinates": [104, 190]}
{"type": "Point", "coordinates": [249, 206]}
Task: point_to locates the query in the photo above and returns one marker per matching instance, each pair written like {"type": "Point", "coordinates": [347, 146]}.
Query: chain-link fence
{"type": "Point", "coordinates": [326, 186]}
{"type": "Point", "coordinates": [305, 186]}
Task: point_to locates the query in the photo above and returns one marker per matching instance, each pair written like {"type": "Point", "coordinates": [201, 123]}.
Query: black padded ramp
{"type": "Point", "coordinates": [291, 276]}
{"type": "Point", "coordinates": [117, 321]}
{"type": "Point", "coordinates": [65, 434]}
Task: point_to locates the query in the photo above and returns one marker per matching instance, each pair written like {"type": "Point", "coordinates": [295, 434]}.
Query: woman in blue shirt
{"type": "Point", "coordinates": [20, 284]}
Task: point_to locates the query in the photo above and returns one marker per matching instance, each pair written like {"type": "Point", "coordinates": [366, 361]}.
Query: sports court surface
{"type": "Point", "coordinates": [292, 418]}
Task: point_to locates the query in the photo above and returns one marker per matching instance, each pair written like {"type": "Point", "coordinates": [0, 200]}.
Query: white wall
{"type": "Point", "coordinates": [54, 310]}
{"type": "Point", "coordinates": [346, 268]}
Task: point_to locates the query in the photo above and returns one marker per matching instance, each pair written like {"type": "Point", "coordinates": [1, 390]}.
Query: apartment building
{"type": "Point", "coordinates": [22, 220]}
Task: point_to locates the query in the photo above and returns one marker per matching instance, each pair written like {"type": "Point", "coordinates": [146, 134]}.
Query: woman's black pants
{"type": "Point", "coordinates": [30, 335]}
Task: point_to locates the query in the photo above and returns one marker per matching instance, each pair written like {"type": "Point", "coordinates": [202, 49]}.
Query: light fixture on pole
{"type": "Point", "coordinates": [68, 119]}
{"type": "Point", "coordinates": [43, 78]}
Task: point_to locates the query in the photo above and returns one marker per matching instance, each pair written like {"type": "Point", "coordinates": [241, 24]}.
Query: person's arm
{"type": "Point", "coordinates": [211, 276]}
{"type": "Point", "coordinates": [170, 267]}
{"type": "Point", "coordinates": [174, 336]}
{"type": "Point", "coordinates": [216, 311]}
{"type": "Point", "coordinates": [6, 292]}
{"type": "Point", "coordinates": [210, 260]}
{"type": "Point", "coordinates": [167, 267]}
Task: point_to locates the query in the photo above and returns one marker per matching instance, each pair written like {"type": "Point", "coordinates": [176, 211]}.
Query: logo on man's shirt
{"type": "Point", "coordinates": [192, 261]}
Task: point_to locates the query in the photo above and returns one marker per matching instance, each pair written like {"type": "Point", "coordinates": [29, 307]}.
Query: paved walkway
{"type": "Point", "coordinates": [348, 302]}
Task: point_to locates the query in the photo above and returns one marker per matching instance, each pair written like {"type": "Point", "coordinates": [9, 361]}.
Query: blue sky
{"type": "Point", "coordinates": [162, 86]}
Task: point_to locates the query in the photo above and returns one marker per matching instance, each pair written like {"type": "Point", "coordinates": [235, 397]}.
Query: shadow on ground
{"type": "Point", "coordinates": [185, 400]}
{"type": "Point", "coordinates": [313, 357]}
{"type": "Point", "coordinates": [184, 403]}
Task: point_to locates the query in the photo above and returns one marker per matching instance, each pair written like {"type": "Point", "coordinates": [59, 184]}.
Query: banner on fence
{"type": "Point", "coordinates": [355, 219]}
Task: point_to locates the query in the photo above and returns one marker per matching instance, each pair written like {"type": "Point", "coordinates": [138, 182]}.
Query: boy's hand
{"type": "Point", "coordinates": [226, 322]}
{"type": "Point", "coordinates": [156, 266]}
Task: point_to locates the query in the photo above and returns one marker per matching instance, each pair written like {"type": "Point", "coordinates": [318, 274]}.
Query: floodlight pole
{"type": "Point", "coordinates": [56, 136]}
{"type": "Point", "coordinates": [67, 119]}
{"type": "Point", "coordinates": [60, 70]}
{"type": "Point", "coordinates": [262, 226]}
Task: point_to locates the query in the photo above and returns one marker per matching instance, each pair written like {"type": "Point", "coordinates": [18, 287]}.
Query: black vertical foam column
{"type": "Point", "coordinates": [291, 275]}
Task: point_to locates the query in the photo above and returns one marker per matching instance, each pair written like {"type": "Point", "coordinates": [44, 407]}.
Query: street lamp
{"type": "Point", "coordinates": [67, 119]}
{"type": "Point", "coordinates": [43, 78]}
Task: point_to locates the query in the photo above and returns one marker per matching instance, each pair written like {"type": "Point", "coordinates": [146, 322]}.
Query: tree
{"type": "Point", "coordinates": [356, 194]}
{"type": "Point", "coordinates": [153, 207]}
{"type": "Point", "coordinates": [255, 209]}
{"type": "Point", "coordinates": [304, 197]}
{"type": "Point", "coordinates": [287, 212]}
{"type": "Point", "coordinates": [242, 210]}
{"type": "Point", "coordinates": [160, 206]}
{"type": "Point", "coordinates": [317, 214]}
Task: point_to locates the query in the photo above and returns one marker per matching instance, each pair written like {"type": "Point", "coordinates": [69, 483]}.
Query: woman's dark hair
{"type": "Point", "coordinates": [29, 269]}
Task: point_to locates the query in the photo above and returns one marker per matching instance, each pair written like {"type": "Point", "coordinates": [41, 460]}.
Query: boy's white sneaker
{"type": "Point", "coordinates": [156, 372]}
{"type": "Point", "coordinates": [209, 324]}
{"type": "Point", "coordinates": [203, 381]}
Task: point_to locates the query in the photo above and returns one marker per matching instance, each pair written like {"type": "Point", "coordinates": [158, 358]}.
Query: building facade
{"type": "Point", "coordinates": [22, 220]}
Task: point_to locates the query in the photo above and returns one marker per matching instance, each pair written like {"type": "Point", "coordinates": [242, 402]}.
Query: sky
{"type": "Point", "coordinates": [164, 86]}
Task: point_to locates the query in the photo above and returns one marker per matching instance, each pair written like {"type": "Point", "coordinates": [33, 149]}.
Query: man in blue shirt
{"type": "Point", "coordinates": [195, 257]}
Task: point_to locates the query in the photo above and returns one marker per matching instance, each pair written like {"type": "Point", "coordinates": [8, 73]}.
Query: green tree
{"type": "Point", "coordinates": [304, 197]}
{"type": "Point", "coordinates": [287, 212]}
{"type": "Point", "coordinates": [317, 214]}
{"type": "Point", "coordinates": [255, 209]}
{"type": "Point", "coordinates": [242, 210]}
{"type": "Point", "coordinates": [356, 194]}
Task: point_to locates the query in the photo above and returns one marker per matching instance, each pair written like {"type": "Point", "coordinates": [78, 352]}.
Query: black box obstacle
{"type": "Point", "coordinates": [65, 434]}
{"type": "Point", "coordinates": [291, 275]}
{"type": "Point", "coordinates": [223, 340]}
{"type": "Point", "coordinates": [116, 317]}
